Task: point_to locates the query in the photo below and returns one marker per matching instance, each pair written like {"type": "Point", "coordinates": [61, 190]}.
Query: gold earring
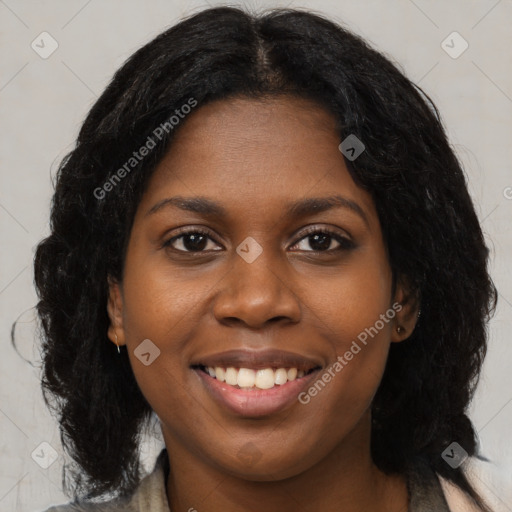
{"type": "Point", "coordinates": [118, 349]}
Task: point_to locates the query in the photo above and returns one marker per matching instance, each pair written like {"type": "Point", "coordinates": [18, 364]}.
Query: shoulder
{"type": "Point", "coordinates": [116, 505]}
{"type": "Point", "coordinates": [424, 488]}
{"type": "Point", "coordinates": [457, 500]}
{"type": "Point", "coordinates": [149, 495]}
{"type": "Point", "coordinates": [431, 491]}
{"type": "Point", "coordinates": [71, 507]}
{"type": "Point", "coordinates": [483, 477]}
{"type": "Point", "coordinates": [110, 506]}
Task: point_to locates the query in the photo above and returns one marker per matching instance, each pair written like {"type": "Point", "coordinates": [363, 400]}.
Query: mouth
{"type": "Point", "coordinates": [263, 369]}
{"type": "Point", "coordinates": [253, 378]}
{"type": "Point", "coordinates": [255, 384]}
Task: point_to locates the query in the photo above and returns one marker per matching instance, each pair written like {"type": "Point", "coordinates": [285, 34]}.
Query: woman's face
{"type": "Point", "coordinates": [257, 291]}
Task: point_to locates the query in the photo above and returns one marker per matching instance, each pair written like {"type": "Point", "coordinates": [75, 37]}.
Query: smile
{"type": "Point", "coordinates": [250, 379]}
{"type": "Point", "coordinates": [253, 401]}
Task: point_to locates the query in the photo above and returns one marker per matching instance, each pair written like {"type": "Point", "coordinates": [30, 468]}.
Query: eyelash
{"type": "Point", "coordinates": [345, 243]}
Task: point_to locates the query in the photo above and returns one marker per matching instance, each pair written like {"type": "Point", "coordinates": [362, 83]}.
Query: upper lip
{"type": "Point", "coordinates": [258, 359]}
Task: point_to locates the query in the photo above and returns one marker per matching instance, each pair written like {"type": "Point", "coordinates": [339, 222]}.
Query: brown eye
{"type": "Point", "coordinates": [189, 241]}
{"type": "Point", "coordinates": [324, 240]}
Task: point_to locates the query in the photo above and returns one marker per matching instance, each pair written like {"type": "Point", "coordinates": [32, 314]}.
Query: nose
{"type": "Point", "coordinates": [257, 293]}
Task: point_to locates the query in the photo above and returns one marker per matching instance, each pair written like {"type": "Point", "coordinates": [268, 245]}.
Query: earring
{"type": "Point", "coordinates": [118, 349]}
{"type": "Point", "coordinates": [399, 329]}
{"type": "Point", "coordinates": [419, 312]}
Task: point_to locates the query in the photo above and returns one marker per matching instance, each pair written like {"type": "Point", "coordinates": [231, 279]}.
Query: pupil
{"type": "Point", "coordinates": [324, 243]}
{"type": "Point", "coordinates": [197, 242]}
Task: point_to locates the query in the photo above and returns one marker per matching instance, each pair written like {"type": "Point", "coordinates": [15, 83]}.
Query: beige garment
{"type": "Point", "coordinates": [456, 499]}
{"type": "Point", "coordinates": [150, 495]}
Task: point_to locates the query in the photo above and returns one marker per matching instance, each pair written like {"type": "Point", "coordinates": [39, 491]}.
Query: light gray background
{"type": "Point", "coordinates": [43, 102]}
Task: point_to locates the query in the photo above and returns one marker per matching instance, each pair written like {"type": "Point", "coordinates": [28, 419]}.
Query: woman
{"type": "Point", "coordinates": [264, 238]}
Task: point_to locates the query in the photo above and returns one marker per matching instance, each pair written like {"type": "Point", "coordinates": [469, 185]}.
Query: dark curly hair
{"type": "Point", "coordinates": [429, 224]}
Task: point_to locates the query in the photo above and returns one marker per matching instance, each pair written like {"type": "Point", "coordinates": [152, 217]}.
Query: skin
{"type": "Point", "coordinates": [254, 157]}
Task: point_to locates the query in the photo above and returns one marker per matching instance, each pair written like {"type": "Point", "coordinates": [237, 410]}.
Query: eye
{"type": "Point", "coordinates": [192, 240]}
{"type": "Point", "coordinates": [321, 240]}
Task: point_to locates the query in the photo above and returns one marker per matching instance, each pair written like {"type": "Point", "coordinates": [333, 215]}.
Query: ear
{"type": "Point", "coordinates": [407, 306]}
{"type": "Point", "coordinates": [115, 312]}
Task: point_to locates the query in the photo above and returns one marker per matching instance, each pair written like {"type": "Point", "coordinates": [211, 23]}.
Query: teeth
{"type": "Point", "coordinates": [265, 379]}
{"type": "Point", "coordinates": [246, 378]}
{"type": "Point", "coordinates": [281, 376]}
{"type": "Point", "coordinates": [292, 373]}
{"type": "Point", "coordinates": [231, 376]}
{"type": "Point", "coordinates": [220, 373]}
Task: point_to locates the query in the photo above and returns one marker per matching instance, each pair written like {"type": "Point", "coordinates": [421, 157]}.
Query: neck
{"type": "Point", "coordinates": [346, 479]}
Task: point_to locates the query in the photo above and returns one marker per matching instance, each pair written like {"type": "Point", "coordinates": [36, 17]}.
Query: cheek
{"type": "Point", "coordinates": [353, 312]}
{"type": "Point", "coordinates": [160, 304]}
{"type": "Point", "coordinates": [352, 298]}
{"type": "Point", "coordinates": [157, 310]}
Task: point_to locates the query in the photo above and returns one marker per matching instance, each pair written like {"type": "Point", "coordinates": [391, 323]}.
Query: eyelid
{"type": "Point", "coordinates": [308, 230]}
{"type": "Point", "coordinates": [185, 230]}
{"type": "Point", "coordinates": [344, 240]}
{"type": "Point", "coordinates": [315, 228]}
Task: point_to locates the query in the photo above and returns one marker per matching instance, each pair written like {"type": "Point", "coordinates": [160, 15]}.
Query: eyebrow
{"type": "Point", "coordinates": [300, 208]}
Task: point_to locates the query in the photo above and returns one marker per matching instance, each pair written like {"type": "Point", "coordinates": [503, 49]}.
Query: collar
{"type": "Point", "coordinates": [425, 490]}
{"type": "Point", "coordinates": [151, 493]}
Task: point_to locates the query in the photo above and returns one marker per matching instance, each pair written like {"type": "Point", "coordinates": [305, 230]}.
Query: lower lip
{"type": "Point", "coordinates": [255, 402]}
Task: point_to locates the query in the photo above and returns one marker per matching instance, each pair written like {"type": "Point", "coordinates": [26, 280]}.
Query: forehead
{"type": "Point", "coordinates": [245, 123]}
{"type": "Point", "coordinates": [252, 153]}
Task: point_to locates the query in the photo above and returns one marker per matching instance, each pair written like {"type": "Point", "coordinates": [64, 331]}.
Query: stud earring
{"type": "Point", "coordinates": [118, 349]}
{"type": "Point", "coordinates": [399, 329]}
